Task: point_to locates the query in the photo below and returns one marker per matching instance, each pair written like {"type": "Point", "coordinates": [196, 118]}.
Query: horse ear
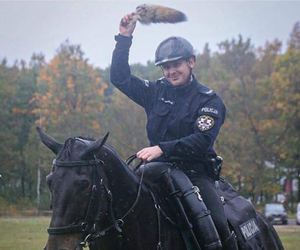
{"type": "Point", "coordinates": [95, 146]}
{"type": "Point", "coordinates": [50, 142]}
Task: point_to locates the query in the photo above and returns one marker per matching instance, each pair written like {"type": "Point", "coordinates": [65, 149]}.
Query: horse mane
{"type": "Point", "coordinates": [68, 145]}
{"type": "Point", "coordinates": [114, 153]}
{"type": "Point", "coordinates": [67, 148]}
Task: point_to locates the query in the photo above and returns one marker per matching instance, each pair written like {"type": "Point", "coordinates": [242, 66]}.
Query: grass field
{"type": "Point", "coordinates": [30, 234]}
{"type": "Point", "coordinates": [23, 233]}
{"type": "Point", "coordinates": [290, 236]}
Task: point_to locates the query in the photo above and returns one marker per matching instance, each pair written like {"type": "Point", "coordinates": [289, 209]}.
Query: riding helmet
{"type": "Point", "coordinates": [172, 49]}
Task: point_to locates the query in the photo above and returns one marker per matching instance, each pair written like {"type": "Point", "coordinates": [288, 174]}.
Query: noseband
{"type": "Point", "coordinates": [88, 227]}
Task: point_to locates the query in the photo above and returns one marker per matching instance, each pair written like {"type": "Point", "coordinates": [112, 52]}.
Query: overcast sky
{"type": "Point", "coordinates": [41, 26]}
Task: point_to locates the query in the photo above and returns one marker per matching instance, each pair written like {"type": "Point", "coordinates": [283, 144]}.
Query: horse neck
{"type": "Point", "coordinates": [124, 185]}
{"type": "Point", "coordinates": [122, 182]}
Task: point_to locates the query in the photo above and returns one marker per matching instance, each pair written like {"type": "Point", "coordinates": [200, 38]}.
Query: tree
{"type": "Point", "coordinates": [286, 99]}
{"type": "Point", "coordinates": [242, 78]}
{"type": "Point", "coordinates": [70, 93]}
{"type": "Point", "coordinates": [8, 76]}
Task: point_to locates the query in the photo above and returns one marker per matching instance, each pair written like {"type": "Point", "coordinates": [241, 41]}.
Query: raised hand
{"type": "Point", "coordinates": [127, 24]}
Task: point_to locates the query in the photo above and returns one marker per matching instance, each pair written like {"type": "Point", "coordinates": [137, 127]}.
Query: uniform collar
{"type": "Point", "coordinates": [181, 89]}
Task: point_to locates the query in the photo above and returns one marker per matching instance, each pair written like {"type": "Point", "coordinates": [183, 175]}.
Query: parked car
{"type": "Point", "coordinates": [298, 214]}
{"type": "Point", "coordinates": [276, 213]}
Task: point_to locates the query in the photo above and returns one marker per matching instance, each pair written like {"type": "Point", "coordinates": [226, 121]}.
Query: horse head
{"type": "Point", "coordinates": [79, 193]}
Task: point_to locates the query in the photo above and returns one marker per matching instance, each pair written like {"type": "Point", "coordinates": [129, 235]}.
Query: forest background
{"type": "Point", "coordinates": [67, 96]}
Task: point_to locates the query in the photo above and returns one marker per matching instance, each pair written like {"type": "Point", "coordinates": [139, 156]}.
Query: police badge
{"type": "Point", "coordinates": [205, 122]}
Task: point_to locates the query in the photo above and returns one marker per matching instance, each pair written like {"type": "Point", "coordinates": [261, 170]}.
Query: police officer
{"type": "Point", "coordinates": [183, 116]}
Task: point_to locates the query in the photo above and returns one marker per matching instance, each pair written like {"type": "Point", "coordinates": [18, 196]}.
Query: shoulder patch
{"type": "Point", "coordinates": [205, 122]}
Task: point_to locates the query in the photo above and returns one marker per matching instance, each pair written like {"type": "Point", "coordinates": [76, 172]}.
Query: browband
{"type": "Point", "coordinates": [76, 163]}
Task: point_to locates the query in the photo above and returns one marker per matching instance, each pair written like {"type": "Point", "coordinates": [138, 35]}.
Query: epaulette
{"type": "Point", "coordinates": [205, 90]}
{"type": "Point", "coordinates": [146, 83]}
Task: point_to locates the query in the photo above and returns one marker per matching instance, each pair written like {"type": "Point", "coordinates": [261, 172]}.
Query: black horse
{"type": "Point", "coordinates": [95, 195]}
{"type": "Point", "coordinates": [97, 200]}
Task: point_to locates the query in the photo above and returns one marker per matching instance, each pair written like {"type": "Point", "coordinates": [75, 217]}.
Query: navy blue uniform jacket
{"type": "Point", "coordinates": [183, 120]}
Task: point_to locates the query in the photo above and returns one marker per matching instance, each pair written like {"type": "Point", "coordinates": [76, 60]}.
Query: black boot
{"type": "Point", "coordinates": [183, 191]}
{"type": "Point", "coordinates": [230, 243]}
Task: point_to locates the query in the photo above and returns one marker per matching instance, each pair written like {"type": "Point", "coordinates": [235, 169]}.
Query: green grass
{"type": "Point", "coordinates": [23, 233]}
{"type": "Point", "coordinates": [290, 236]}
{"type": "Point", "coordinates": [30, 234]}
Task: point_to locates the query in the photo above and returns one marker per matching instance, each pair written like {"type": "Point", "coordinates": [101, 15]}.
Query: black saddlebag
{"type": "Point", "coordinates": [241, 216]}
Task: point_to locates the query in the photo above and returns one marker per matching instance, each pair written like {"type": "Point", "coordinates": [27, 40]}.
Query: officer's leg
{"type": "Point", "coordinates": [181, 189]}
{"type": "Point", "coordinates": [203, 226]}
{"type": "Point", "coordinates": [153, 171]}
{"type": "Point", "coordinates": [213, 202]}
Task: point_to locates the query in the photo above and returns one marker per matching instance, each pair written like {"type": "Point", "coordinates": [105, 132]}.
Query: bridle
{"type": "Point", "coordinates": [88, 227]}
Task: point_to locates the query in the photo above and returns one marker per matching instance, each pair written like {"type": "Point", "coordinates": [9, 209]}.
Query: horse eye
{"type": "Point", "coordinates": [82, 184]}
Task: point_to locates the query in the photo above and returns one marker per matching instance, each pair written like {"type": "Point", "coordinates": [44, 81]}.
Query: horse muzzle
{"type": "Point", "coordinates": [63, 242]}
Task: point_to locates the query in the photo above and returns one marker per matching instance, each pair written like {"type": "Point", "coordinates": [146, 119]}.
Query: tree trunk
{"type": "Point", "coordinates": [23, 174]}
{"type": "Point", "coordinates": [38, 184]}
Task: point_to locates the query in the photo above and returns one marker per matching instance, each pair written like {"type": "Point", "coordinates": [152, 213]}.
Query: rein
{"type": "Point", "coordinates": [88, 226]}
{"type": "Point", "coordinates": [118, 223]}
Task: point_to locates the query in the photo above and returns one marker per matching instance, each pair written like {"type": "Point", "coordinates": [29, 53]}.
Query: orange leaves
{"type": "Point", "coordinates": [19, 111]}
{"type": "Point", "coordinates": [70, 90]}
{"type": "Point", "coordinates": [70, 83]}
{"type": "Point", "coordinates": [96, 125]}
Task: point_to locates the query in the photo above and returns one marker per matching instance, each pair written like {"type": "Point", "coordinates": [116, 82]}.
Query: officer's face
{"type": "Point", "coordinates": [178, 72]}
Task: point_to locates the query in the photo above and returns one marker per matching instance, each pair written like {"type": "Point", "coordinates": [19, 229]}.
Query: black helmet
{"type": "Point", "coordinates": [172, 49]}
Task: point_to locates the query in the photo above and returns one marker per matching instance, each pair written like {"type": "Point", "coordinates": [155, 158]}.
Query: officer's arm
{"type": "Point", "coordinates": [206, 128]}
{"type": "Point", "coordinates": [140, 91]}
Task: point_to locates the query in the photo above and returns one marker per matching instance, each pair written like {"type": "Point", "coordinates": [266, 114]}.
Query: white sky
{"type": "Point", "coordinates": [41, 26]}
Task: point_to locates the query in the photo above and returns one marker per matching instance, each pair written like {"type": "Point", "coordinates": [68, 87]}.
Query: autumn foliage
{"type": "Point", "coordinates": [67, 96]}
